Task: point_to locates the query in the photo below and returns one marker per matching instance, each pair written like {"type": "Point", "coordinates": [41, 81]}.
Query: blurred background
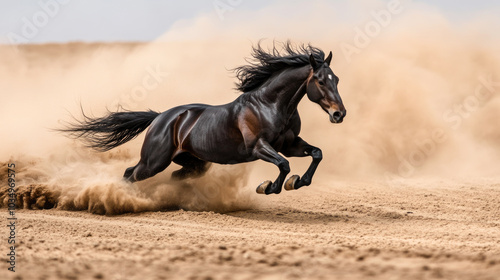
{"type": "Point", "coordinates": [420, 79]}
{"type": "Point", "coordinates": [129, 20]}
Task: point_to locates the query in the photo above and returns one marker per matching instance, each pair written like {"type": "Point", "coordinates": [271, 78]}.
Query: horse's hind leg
{"type": "Point", "coordinates": [128, 172]}
{"type": "Point", "coordinates": [156, 155]}
{"type": "Point", "coordinates": [192, 167]}
{"type": "Point", "coordinates": [145, 169]}
{"type": "Point", "coordinates": [190, 172]}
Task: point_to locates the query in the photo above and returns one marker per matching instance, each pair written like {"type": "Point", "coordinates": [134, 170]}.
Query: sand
{"type": "Point", "coordinates": [343, 230]}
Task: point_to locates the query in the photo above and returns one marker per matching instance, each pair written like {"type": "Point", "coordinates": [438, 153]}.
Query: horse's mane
{"type": "Point", "coordinates": [265, 63]}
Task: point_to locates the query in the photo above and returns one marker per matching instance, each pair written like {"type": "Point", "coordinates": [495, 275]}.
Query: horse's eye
{"type": "Point", "coordinates": [321, 83]}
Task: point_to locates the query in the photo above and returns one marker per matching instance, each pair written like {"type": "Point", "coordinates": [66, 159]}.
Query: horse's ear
{"type": "Point", "coordinates": [329, 58]}
{"type": "Point", "coordinates": [313, 62]}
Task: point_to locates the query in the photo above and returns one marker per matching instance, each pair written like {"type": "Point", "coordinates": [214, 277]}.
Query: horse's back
{"type": "Point", "coordinates": [167, 117]}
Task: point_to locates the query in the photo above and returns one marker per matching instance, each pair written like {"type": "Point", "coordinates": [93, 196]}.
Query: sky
{"type": "Point", "coordinates": [45, 21]}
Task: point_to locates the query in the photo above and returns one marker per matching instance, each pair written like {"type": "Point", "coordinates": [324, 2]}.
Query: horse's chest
{"type": "Point", "coordinates": [277, 125]}
{"type": "Point", "coordinates": [279, 136]}
{"type": "Point", "coordinates": [278, 142]}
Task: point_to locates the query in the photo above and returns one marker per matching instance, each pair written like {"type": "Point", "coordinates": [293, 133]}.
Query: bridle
{"type": "Point", "coordinates": [309, 80]}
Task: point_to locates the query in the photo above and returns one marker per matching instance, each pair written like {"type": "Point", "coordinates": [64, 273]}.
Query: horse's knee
{"type": "Point", "coordinates": [284, 166]}
{"type": "Point", "coordinates": [317, 155]}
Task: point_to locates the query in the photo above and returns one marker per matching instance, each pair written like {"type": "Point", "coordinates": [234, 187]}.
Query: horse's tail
{"type": "Point", "coordinates": [114, 129]}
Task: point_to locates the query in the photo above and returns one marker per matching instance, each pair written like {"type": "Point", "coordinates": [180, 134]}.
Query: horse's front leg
{"type": "Point", "coordinates": [300, 148]}
{"type": "Point", "coordinates": [263, 150]}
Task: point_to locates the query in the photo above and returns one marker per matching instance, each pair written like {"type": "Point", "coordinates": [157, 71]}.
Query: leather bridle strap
{"type": "Point", "coordinates": [309, 77]}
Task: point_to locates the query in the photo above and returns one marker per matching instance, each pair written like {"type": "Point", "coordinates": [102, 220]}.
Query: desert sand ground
{"type": "Point", "coordinates": [341, 230]}
{"type": "Point", "coordinates": [440, 221]}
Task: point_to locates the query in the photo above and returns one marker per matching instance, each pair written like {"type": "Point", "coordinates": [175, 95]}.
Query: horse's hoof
{"type": "Point", "coordinates": [263, 186]}
{"type": "Point", "coordinates": [290, 183]}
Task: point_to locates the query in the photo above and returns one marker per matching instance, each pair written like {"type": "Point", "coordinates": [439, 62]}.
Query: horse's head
{"type": "Point", "coordinates": [322, 89]}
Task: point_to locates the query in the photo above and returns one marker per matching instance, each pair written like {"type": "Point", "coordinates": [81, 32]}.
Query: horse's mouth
{"type": "Point", "coordinates": [332, 120]}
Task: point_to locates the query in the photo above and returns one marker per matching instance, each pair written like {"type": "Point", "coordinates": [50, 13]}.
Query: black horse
{"type": "Point", "coordinates": [260, 124]}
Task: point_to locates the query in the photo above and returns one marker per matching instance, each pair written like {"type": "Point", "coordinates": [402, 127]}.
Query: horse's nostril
{"type": "Point", "coordinates": [336, 116]}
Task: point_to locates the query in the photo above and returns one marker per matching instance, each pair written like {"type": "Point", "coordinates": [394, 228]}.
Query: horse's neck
{"type": "Point", "coordinates": [287, 89]}
{"type": "Point", "coordinates": [298, 93]}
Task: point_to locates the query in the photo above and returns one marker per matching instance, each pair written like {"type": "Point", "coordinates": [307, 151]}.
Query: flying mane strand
{"type": "Point", "coordinates": [264, 64]}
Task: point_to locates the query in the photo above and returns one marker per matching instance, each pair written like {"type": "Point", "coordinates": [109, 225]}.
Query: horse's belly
{"type": "Point", "coordinates": [214, 138]}
{"type": "Point", "coordinates": [221, 149]}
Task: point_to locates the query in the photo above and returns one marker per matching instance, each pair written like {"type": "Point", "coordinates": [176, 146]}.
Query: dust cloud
{"type": "Point", "coordinates": [422, 99]}
{"type": "Point", "coordinates": [91, 181]}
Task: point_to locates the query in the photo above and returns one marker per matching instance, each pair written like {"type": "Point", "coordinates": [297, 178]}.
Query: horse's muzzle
{"type": "Point", "coordinates": [336, 116]}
